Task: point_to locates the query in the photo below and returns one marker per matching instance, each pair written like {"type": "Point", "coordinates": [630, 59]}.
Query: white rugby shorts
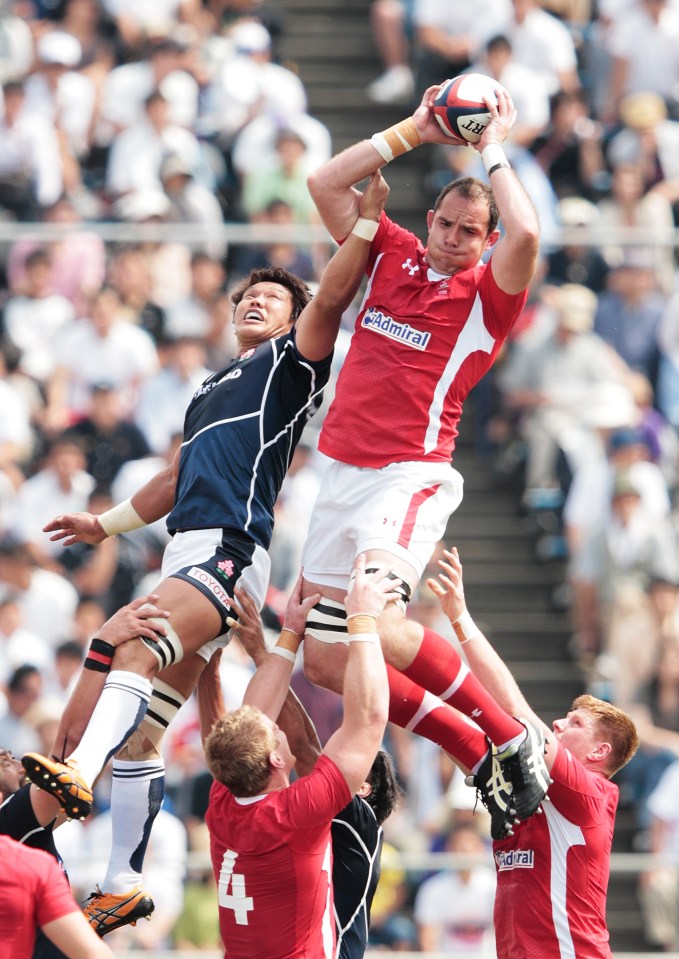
{"type": "Point", "coordinates": [195, 546]}
{"type": "Point", "coordinates": [402, 508]}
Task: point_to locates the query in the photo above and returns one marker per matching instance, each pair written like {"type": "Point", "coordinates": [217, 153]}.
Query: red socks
{"type": "Point", "coordinates": [413, 708]}
{"type": "Point", "coordinates": [438, 668]}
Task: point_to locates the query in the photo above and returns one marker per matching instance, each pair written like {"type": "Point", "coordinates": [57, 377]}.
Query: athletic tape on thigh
{"type": "Point", "coordinates": [327, 622]}
{"type": "Point", "coordinates": [167, 649]}
{"type": "Point", "coordinates": [164, 705]}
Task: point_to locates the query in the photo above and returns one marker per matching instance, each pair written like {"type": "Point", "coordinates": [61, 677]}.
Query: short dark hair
{"type": "Point", "coordinates": [17, 680]}
{"type": "Point", "coordinates": [385, 791]}
{"type": "Point", "coordinates": [299, 291]}
{"type": "Point", "coordinates": [472, 189]}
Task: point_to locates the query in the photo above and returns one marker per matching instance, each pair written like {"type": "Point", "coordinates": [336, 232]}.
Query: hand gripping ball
{"type": "Point", "coordinates": [460, 109]}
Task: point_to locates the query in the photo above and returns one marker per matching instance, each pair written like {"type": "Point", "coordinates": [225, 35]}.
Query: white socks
{"type": "Point", "coordinates": [136, 797]}
{"type": "Point", "coordinates": [121, 707]}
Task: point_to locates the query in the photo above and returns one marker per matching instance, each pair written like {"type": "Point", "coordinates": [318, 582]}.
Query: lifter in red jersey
{"type": "Point", "coordinates": [431, 324]}
{"type": "Point", "coordinates": [552, 872]}
{"type": "Point", "coordinates": [270, 840]}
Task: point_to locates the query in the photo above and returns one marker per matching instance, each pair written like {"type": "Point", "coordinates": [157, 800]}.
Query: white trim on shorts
{"type": "Point", "coordinates": [402, 508]}
{"type": "Point", "coordinates": [194, 546]}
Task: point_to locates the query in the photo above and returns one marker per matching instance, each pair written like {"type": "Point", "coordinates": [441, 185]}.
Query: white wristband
{"type": "Point", "coordinates": [465, 628]}
{"type": "Point", "coordinates": [366, 229]}
{"type": "Point", "coordinates": [494, 156]}
{"type": "Point", "coordinates": [364, 638]}
{"type": "Point", "coordinates": [284, 653]}
{"type": "Point", "coordinates": [121, 519]}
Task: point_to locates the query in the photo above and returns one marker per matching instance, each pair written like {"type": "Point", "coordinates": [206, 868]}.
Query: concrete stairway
{"type": "Point", "coordinates": [509, 591]}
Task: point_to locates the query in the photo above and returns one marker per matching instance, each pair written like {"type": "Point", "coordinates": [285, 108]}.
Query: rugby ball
{"type": "Point", "coordinates": [460, 108]}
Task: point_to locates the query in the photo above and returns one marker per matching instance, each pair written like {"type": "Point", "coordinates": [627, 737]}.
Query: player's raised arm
{"type": "Point", "coordinates": [366, 690]}
{"type": "Point", "coordinates": [319, 321]}
{"type": "Point", "coordinates": [483, 660]}
{"type": "Point", "coordinates": [333, 185]}
{"type": "Point", "coordinates": [514, 257]}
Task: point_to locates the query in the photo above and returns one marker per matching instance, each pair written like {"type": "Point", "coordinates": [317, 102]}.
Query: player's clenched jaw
{"type": "Point", "coordinates": [265, 311]}
{"type": "Point", "coordinates": [458, 233]}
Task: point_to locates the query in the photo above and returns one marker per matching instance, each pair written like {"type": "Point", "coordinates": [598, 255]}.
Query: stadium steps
{"type": "Point", "coordinates": [330, 45]}
{"type": "Point", "coordinates": [508, 589]}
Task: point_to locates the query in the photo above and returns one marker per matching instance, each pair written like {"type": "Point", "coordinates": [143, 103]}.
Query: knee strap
{"type": "Point", "coordinates": [327, 622]}
{"type": "Point", "coordinates": [144, 743]}
{"type": "Point", "coordinates": [167, 649]}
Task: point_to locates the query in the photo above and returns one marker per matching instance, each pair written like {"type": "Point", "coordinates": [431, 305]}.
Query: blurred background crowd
{"type": "Point", "coordinates": [175, 118]}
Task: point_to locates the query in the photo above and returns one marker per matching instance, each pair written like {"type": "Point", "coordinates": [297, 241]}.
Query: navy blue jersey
{"type": "Point", "coordinates": [240, 431]}
{"type": "Point", "coordinates": [356, 850]}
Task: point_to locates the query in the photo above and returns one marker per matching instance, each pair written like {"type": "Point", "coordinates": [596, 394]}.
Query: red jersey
{"type": "Point", "coordinates": [33, 891]}
{"type": "Point", "coordinates": [272, 859]}
{"type": "Point", "coordinates": [552, 874]}
{"type": "Point", "coordinates": [420, 343]}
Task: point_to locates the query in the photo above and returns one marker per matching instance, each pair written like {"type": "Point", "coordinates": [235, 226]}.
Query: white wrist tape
{"type": "Point", "coordinates": [494, 157]}
{"type": "Point", "coordinates": [465, 628]}
{"type": "Point", "coordinates": [121, 519]}
{"type": "Point", "coordinates": [284, 653]}
{"type": "Point", "coordinates": [364, 638]}
{"type": "Point", "coordinates": [365, 228]}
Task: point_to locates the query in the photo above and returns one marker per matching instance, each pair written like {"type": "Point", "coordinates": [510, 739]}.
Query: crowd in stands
{"type": "Point", "coordinates": [181, 112]}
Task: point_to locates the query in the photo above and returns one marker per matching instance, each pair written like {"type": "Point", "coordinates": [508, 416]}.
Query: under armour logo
{"type": "Point", "coordinates": [408, 265]}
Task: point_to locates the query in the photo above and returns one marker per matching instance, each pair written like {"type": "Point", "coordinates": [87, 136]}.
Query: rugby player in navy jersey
{"type": "Point", "coordinates": [240, 432]}
{"type": "Point", "coordinates": [30, 815]}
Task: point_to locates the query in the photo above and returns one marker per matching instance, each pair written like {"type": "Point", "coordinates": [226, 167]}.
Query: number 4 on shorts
{"type": "Point", "coordinates": [236, 899]}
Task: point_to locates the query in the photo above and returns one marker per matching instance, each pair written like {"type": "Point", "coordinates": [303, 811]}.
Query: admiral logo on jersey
{"type": "Point", "coordinates": [514, 859]}
{"type": "Point", "coordinates": [387, 326]}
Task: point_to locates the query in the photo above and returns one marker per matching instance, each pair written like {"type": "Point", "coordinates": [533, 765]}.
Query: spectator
{"type": "Point", "coordinates": [557, 383]}
{"type": "Point", "coordinates": [659, 886]}
{"type": "Point", "coordinates": [131, 277]}
{"type": "Point", "coordinates": [77, 259]}
{"type": "Point", "coordinates": [569, 151]}
{"type": "Point", "coordinates": [195, 316]}
{"type": "Point", "coordinates": [630, 205]}
{"type": "Point", "coordinates": [137, 153]}
{"type": "Point", "coordinates": [248, 85]}
{"type": "Point", "coordinates": [629, 312]}
{"type": "Point", "coordinates": [30, 160]}
{"type": "Point", "coordinates": [164, 397]}
{"type": "Point", "coordinates": [34, 319]}
{"type": "Point", "coordinates": [577, 262]}
{"type": "Point", "coordinates": [449, 35]}
{"type": "Point", "coordinates": [17, 645]}
{"type": "Point", "coordinates": [61, 484]}
{"type": "Point", "coordinates": [651, 141]}
{"type": "Point", "coordinates": [644, 46]}
{"type": "Point", "coordinates": [454, 909]}
{"type": "Point", "coordinates": [192, 203]}
{"type": "Point", "coordinates": [65, 98]}
{"type": "Point", "coordinates": [24, 687]}
{"type": "Point", "coordinates": [544, 44]}
{"type": "Point", "coordinates": [277, 252]}
{"type": "Point", "coordinates": [47, 601]}
{"type": "Point", "coordinates": [284, 180]}
{"type": "Point", "coordinates": [526, 88]}
{"type": "Point", "coordinates": [391, 27]}
{"type": "Point", "coordinates": [106, 438]}
{"type": "Point", "coordinates": [616, 564]}
{"type": "Point", "coordinates": [104, 347]}
{"type": "Point", "coordinates": [128, 86]}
